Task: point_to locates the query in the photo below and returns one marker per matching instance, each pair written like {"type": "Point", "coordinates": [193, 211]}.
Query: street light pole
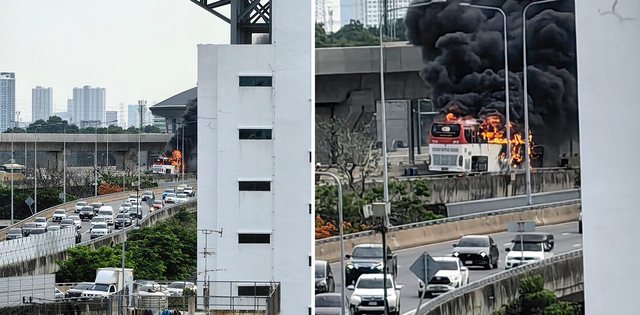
{"type": "Point", "coordinates": [340, 223]}
{"type": "Point", "coordinates": [35, 171]}
{"type": "Point", "coordinates": [527, 164]}
{"type": "Point", "coordinates": [95, 163]}
{"type": "Point", "coordinates": [385, 167]}
{"type": "Point", "coordinates": [13, 173]}
{"type": "Point", "coordinates": [64, 163]}
{"type": "Point", "coordinates": [506, 75]}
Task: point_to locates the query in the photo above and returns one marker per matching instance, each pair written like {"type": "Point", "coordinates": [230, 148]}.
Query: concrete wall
{"type": "Point", "coordinates": [445, 230]}
{"type": "Point", "coordinates": [562, 274]}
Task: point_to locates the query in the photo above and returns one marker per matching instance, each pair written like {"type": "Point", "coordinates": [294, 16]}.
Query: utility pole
{"type": "Point", "coordinates": [206, 254]}
{"type": "Point", "coordinates": [141, 103]}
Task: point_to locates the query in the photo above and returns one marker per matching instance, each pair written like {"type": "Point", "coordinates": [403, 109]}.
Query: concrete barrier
{"type": "Point", "coordinates": [562, 274]}
{"type": "Point", "coordinates": [437, 231]}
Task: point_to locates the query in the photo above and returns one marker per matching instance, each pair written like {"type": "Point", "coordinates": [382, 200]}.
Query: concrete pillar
{"type": "Point", "coordinates": [608, 81]}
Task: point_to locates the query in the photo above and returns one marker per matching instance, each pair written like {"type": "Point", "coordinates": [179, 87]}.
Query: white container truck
{"type": "Point", "coordinates": [109, 281]}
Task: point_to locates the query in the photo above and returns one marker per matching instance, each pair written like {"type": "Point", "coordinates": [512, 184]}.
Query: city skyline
{"type": "Point", "coordinates": [119, 47]}
{"type": "Point", "coordinates": [41, 103]}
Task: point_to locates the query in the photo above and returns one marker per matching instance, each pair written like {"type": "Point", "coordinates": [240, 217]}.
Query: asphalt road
{"type": "Point", "coordinates": [566, 239]}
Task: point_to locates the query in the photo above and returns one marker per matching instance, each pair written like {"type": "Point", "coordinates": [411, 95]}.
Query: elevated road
{"type": "Point", "coordinates": [566, 239]}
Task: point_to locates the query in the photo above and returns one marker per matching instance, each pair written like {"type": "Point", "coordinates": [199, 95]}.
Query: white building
{"type": "Point", "coordinates": [70, 110]}
{"type": "Point", "coordinates": [328, 14]}
{"type": "Point", "coordinates": [255, 160]}
{"type": "Point", "coordinates": [609, 73]}
{"type": "Point", "coordinates": [41, 103]}
{"type": "Point", "coordinates": [7, 99]}
{"type": "Point", "coordinates": [89, 105]}
{"type": "Point", "coordinates": [371, 9]}
{"type": "Point", "coordinates": [111, 117]}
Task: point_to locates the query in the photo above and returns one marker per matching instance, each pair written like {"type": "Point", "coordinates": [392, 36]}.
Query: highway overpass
{"type": "Point", "coordinates": [122, 148]}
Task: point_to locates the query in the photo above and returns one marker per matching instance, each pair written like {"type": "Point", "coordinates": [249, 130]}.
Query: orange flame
{"type": "Point", "coordinates": [176, 159]}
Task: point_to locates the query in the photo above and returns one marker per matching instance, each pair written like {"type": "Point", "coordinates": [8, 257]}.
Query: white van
{"type": "Point", "coordinates": [107, 213]}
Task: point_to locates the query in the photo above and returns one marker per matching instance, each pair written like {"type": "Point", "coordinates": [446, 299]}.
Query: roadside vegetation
{"type": "Point", "coordinates": [165, 251]}
{"type": "Point", "coordinates": [534, 299]}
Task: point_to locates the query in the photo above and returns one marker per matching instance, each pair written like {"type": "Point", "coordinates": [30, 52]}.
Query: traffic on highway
{"type": "Point", "coordinates": [96, 219]}
{"type": "Point", "coordinates": [468, 259]}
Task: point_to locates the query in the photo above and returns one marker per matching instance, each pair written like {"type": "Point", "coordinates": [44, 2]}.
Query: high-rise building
{"type": "Point", "coordinates": [350, 10]}
{"type": "Point", "coordinates": [133, 117]}
{"type": "Point", "coordinates": [41, 103]}
{"type": "Point", "coordinates": [111, 117]}
{"type": "Point", "coordinates": [321, 16]}
{"type": "Point", "coordinates": [7, 99]}
{"type": "Point", "coordinates": [70, 110]}
{"type": "Point", "coordinates": [371, 10]}
{"type": "Point", "coordinates": [89, 105]}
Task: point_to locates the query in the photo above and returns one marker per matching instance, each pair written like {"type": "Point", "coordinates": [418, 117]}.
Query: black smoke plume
{"type": "Point", "coordinates": [190, 129]}
{"type": "Point", "coordinates": [462, 48]}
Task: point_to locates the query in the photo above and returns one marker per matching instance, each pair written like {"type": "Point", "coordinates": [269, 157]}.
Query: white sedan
{"type": "Point", "coordinates": [181, 198]}
{"type": "Point", "coordinates": [452, 275]}
{"type": "Point", "coordinates": [59, 215]}
{"type": "Point", "coordinates": [368, 294]}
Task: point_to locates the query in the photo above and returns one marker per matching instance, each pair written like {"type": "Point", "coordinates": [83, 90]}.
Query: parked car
{"type": "Point", "coordinates": [368, 294]}
{"type": "Point", "coordinates": [99, 229]}
{"type": "Point", "coordinates": [86, 213]}
{"type": "Point", "coordinates": [157, 204]}
{"type": "Point", "coordinates": [324, 277]}
{"type": "Point", "coordinates": [148, 195]}
{"type": "Point", "coordinates": [181, 198]}
{"type": "Point", "coordinates": [452, 275]}
{"type": "Point", "coordinates": [27, 227]}
{"type": "Point", "coordinates": [177, 288]}
{"type": "Point", "coordinates": [79, 206]}
{"type": "Point", "coordinates": [122, 220]}
{"type": "Point", "coordinates": [96, 206]}
{"type": "Point", "coordinates": [367, 258]}
{"type": "Point", "coordinates": [76, 291]}
{"type": "Point", "coordinates": [477, 250]}
{"type": "Point", "coordinates": [168, 191]}
{"type": "Point", "coordinates": [67, 223]}
{"type": "Point", "coordinates": [14, 233]}
{"type": "Point", "coordinates": [59, 215]}
{"type": "Point", "coordinates": [76, 219]}
{"type": "Point", "coordinates": [41, 222]}
{"type": "Point", "coordinates": [329, 304]}
{"type": "Point", "coordinates": [58, 295]}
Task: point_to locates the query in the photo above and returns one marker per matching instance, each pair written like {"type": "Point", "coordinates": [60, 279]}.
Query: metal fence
{"type": "Point", "coordinates": [27, 248]}
{"type": "Point", "coordinates": [14, 289]}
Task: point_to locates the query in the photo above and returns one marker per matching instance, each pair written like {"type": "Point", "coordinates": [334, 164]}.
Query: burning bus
{"type": "Point", "coordinates": [167, 165]}
{"type": "Point", "coordinates": [469, 145]}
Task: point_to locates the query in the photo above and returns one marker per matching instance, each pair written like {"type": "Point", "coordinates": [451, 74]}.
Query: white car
{"type": "Point", "coordinates": [176, 288]}
{"type": "Point", "coordinates": [107, 213]}
{"type": "Point", "coordinates": [124, 207]}
{"type": "Point", "coordinates": [524, 253]}
{"type": "Point", "coordinates": [368, 294]}
{"type": "Point", "coordinates": [79, 206]}
{"type": "Point", "coordinates": [181, 198]}
{"type": "Point", "coordinates": [189, 191]}
{"type": "Point", "coordinates": [99, 229]}
{"type": "Point", "coordinates": [76, 220]}
{"type": "Point", "coordinates": [59, 215]}
{"type": "Point", "coordinates": [135, 198]}
{"type": "Point", "coordinates": [452, 275]}
{"type": "Point", "coordinates": [170, 198]}
{"type": "Point", "coordinates": [97, 220]}
{"type": "Point", "coordinates": [41, 222]}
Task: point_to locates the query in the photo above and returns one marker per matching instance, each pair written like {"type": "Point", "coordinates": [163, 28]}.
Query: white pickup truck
{"type": "Point", "coordinates": [109, 281]}
{"type": "Point", "coordinates": [368, 295]}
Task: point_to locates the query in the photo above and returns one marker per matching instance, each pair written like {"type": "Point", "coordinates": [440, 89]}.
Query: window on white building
{"type": "Point", "coordinates": [254, 238]}
{"type": "Point", "coordinates": [257, 290]}
{"type": "Point", "coordinates": [255, 134]}
{"type": "Point", "coordinates": [255, 81]}
{"type": "Point", "coordinates": [254, 185]}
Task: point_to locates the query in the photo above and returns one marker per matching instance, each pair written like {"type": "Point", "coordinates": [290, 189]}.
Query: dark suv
{"type": "Point", "coordinates": [86, 213]}
{"type": "Point", "coordinates": [477, 250]}
{"type": "Point", "coordinates": [367, 258]}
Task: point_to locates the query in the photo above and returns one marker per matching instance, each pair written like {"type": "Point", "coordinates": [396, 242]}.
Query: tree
{"type": "Point", "coordinates": [534, 299]}
{"type": "Point", "coordinates": [352, 151]}
{"type": "Point", "coordinates": [82, 262]}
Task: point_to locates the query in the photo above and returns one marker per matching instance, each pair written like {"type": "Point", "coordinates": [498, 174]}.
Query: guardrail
{"type": "Point", "coordinates": [26, 248]}
{"type": "Point", "coordinates": [493, 298]}
{"type": "Point", "coordinates": [478, 206]}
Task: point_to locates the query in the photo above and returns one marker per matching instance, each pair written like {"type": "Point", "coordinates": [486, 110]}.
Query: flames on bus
{"type": "Point", "coordinates": [493, 130]}
{"type": "Point", "coordinates": [168, 165]}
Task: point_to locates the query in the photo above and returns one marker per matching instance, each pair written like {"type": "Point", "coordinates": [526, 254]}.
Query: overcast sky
{"type": "Point", "coordinates": [135, 49]}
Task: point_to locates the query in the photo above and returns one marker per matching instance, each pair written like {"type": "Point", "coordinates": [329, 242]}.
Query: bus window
{"type": "Point", "coordinates": [445, 130]}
